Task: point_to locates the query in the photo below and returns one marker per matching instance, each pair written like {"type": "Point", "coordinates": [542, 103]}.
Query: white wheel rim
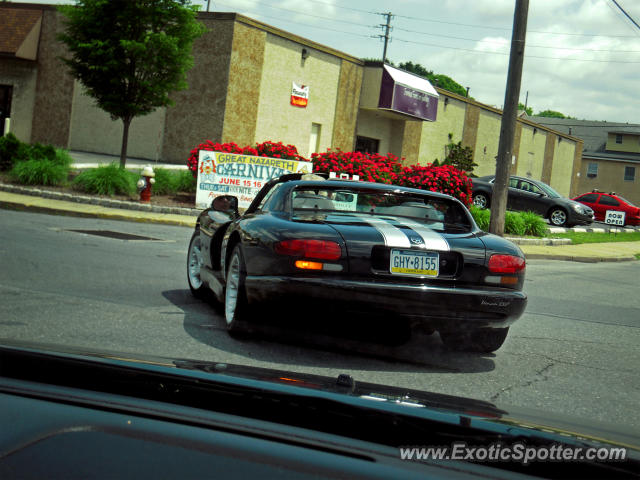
{"type": "Point", "coordinates": [480, 201]}
{"type": "Point", "coordinates": [231, 295]}
{"type": "Point", "coordinates": [558, 217]}
{"type": "Point", "coordinates": [195, 263]}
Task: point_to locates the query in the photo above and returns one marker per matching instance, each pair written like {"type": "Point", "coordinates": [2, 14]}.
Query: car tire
{"type": "Point", "coordinates": [195, 261]}
{"type": "Point", "coordinates": [482, 340]}
{"type": "Point", "coordinates": [558, 217]}
{"type": "Point", "coordinates": [235, 296]}
{"type": "Point", "coordinates": [481, 200]}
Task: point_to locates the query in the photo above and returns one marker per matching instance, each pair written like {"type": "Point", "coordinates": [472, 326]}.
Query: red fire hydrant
{"type": "Point", "coordinates": [144, 184]}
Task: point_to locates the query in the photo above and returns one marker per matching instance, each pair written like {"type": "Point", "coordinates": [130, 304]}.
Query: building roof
{"type": "Point", "coordinates": [594, 134]}
{"type": "Point", "coordinates": [18, 26]}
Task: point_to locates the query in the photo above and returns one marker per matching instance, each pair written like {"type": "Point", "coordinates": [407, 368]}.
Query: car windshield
{"type": "Point", "coordinates": [137, 138]}
{"type": "Point", "coordinates": [549, 191]}
{"type": "Point", "coordinates": [437, 213]}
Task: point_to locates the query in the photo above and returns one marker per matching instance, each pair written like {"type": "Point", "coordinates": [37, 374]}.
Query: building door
{"type": "Point", "coordinates": [5, 105]}
{"type": "Point", "coordinates": [367, 145]}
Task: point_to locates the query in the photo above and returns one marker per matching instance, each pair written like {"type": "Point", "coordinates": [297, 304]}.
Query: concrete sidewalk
{"type": "Point", "coordinates": [84, 160]}
{"type": "Point", "coordinates": [36, 200]}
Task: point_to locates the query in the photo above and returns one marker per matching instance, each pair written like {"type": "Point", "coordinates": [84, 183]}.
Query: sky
{"type": "Point", "coordinates": [582, 57]}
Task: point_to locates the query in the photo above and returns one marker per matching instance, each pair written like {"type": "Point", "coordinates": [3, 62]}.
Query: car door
{"type": "Point", "coordinates": [605, 203]}
{"type": "Point", "coordinates": [590, 200]}
{"type": "Point", "coordinates": [530, 198]}
{"type": "Point", "coordinates": [512, 194]}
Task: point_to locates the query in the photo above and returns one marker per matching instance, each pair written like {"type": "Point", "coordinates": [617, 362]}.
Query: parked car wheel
{"type": "Point", "coordinates": [481, 200]}
{"type": "Point", "coordinates": [482, 340]}
{"type": "Point", "coordinates": [558, 217]}
{"type": "Point", "coordinates": [235, 300]}
{"type": "Point", "coordinates": [194, 264]}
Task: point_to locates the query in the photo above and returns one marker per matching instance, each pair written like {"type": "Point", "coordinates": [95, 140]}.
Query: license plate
{"type": "Point", "coordinates": [414, 263]}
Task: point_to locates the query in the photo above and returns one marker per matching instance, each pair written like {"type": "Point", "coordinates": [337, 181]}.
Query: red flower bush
{"type": "Point", "coordinates": [371, 167]}
{"type": "Point", "coordinates": [445, 178]}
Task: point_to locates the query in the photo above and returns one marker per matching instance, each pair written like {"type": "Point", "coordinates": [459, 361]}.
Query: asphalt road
{"type": "Point", "coordinates": [576, 350]}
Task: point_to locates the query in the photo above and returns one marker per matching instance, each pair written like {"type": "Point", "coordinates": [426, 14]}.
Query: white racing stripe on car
{"type": "Point", "coordinates": [393, 236]}
{"type": "Point", "coordinates": [432, 239]}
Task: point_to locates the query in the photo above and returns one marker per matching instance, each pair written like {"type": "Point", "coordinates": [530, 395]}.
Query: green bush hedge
{"type": "Point", "coordinates": [170, 182]}
{"type": "Point", "coordinates": [107, 180]}
{"type": "Point", "coordinates": [515, 223]}
{"type": "Point", "coordinates": [39, 172]}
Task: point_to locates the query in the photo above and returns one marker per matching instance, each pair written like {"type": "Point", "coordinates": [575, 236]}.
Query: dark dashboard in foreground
{"type": "Point", "coordinates": [69, 415]}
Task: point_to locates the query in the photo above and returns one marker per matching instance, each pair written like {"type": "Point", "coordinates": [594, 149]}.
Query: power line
{"type": "Point", "coordinates": [387, 28]}
{"type": "Point", "coordinates": [504, 53]}
{"type": "Point", "coordinates": [428, 20]}
{"type": "Point", "coordinates": [503, 43]}
{"type": "Point", "coordinates": [626, 14]}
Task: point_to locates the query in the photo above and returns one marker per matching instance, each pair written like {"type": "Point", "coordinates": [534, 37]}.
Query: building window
{"type": "Point", "coordinates": [592, 170]}
{"type": "Point", "coordinates": [618, 138]}
{"type": "Point", "coordinates": [629, 174]}
{"type": "Point", "coordinates": [314, 138]}
{"type": "Point", "coordinates": [367, 145]}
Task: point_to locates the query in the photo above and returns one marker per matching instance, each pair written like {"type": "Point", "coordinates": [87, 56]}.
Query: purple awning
{"type": "Point", "coordinates": [409, 94]}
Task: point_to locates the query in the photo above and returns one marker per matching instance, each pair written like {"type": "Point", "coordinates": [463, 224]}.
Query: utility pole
{"type": "Point", "coordinates": [387, 29]}
{"type": "Point", "coordinates": [508, 125]}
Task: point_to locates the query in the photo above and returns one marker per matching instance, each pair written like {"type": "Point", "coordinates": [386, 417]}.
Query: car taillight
{"type": "Point", "coordinates": [506, 264]}
{"type": "Point", "coordinates": [320, 249]}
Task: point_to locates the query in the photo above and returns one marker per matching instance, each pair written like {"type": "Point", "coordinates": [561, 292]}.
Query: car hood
{"type": "Point", "coordinates": [454, 410]}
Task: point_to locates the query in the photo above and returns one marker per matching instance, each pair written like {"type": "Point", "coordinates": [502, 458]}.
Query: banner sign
{"type": "Point", "coordinates": [299, 95]}
{"type": "Point", "coordinates": [614, 217]}
{"type": "Point", "coordinates": [242, 176]}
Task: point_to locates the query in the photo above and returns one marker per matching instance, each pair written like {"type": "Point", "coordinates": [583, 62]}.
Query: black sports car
{"type": "Point", "coordinates": [525, 194]}
{"type": "Point", "coordinates": [338, 247]}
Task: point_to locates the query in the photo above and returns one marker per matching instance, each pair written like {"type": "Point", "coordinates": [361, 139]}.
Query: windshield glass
{"type": "Point", "coordinates": [136, 138]}
{"type": "Point", "coordinates": [437, 213]}
{"type": "Point", "coordinates": [549, 191]}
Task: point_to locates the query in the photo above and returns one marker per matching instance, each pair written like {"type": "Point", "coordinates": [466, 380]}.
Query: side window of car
{"type": "Point", "coordinates": [268, 197]}
{"type": "Point", "coordinates": [526, 186]}
{"type": "Point", "coordinates": [609, 201]}
{"type": "Point", "coordinates": [588, 198]}
{"type": "Point", "coordinates": [513, 183]}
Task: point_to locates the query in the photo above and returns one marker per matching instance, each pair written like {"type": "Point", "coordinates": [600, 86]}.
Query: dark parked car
{"type": "Point", "coordinates": [526, 194]}
{"type": "Point", "coordinates": [601, 202]}
{"type": "Point", "coordinates": [351, 247]}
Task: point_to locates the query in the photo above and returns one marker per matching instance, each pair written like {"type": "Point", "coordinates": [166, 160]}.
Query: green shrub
{"type": "Point", "coordinates": [185, 182]}
{"type": "Point", "coordinates": [514, 223]}
{"type": "Point", "coordinates": [38, 151]}
{"type": "Point", "coordinates": [170, 182]}
{"type": "Point", "coordinates": [12, 151]}
{"type": "Point", "coordinates": [534, 224]}
{"type": "Point", "coordinates": [39, 172]}
{"type": "Point", "coordinates": [481, 216]}
{"type": "Point", "coordinates": [107, 180]}
{"type": "Point", "coordinates": [165, 182]}
{"type": "Point", "coordinates": [62, 157]}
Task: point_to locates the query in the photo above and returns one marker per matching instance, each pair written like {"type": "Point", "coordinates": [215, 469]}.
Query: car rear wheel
{"type": "Point", "coordinates": [558, 217]}
{"type": "Point", "coordinates": [483, 340]}
{"type": "Point", "coordinates": [235, 299]}
{"type": "Point", "coordinates": [481, 200]}
{"type": "Point", "coordinates": [194, 265]}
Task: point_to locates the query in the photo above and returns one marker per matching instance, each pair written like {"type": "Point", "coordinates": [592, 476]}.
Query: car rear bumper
{"type": "Point", "coordinates": [440, 308]}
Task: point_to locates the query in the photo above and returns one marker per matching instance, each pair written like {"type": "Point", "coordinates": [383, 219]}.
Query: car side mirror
{"type": "Point", "coordinates": [226, 204]}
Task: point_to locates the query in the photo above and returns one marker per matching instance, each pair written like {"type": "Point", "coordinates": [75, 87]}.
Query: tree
{"type": "Point", "coordinates": [130, 54]}
{"type": "Point", "coordinates": [440, 80]}
{"type": "Point", "coordinates": [551, 114]}
{"type": "Point", "coordinates": [528, 110]}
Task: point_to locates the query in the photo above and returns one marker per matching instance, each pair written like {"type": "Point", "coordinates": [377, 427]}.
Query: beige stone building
{"type": "Point", "coordinates": [241, 89]}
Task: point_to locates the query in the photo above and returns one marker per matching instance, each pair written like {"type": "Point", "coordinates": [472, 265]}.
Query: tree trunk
{"type": "Point", "coordinates": [125, 140]}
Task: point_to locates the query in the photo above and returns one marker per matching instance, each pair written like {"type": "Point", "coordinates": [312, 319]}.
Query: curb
{"type": "Point", "coordinates": [102, 202]}
{"type": "Point", "coordinates": [572, 258]}
{"type": "Point", "coordinates": [554, 242]}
